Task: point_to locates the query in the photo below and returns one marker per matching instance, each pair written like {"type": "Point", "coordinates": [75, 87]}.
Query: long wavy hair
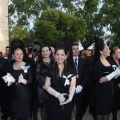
{"type": "Point", "coordinates": [66, 66]}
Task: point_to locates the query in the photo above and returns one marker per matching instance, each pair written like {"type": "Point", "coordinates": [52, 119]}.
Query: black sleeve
{"type": "Point", "coordinates": [3, 65]}
{"type": "Point", "coordinates": [3, 70]}
{"type": "Point", "coordinates": [38, 80]}
{"type": "Point", "coordinates": [84, 75]}
{"type": "Point", "coordinates": [97, 71]}
{"type": "Point", "coordinates": [49, 74]}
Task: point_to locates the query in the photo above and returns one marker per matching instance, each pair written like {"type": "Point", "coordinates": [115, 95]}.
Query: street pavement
{"type": "Point", "coordinates": [87, 116]}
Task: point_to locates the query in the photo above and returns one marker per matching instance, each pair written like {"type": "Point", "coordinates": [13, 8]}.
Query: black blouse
{"type": "Point", "coordinates": [59, 83]}
{"type": "Point", "coordinates": [42, 70]}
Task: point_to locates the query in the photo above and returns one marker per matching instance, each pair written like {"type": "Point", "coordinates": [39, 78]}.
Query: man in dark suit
{"type": "Point", "coordinates": [80, 67]}
{"type": "Point", "coordinates": [3, 96]}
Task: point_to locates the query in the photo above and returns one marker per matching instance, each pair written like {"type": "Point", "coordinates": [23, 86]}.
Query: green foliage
{"type": "Point", "coordinates": [87, 11]}
{"type": "Point", "coordinates": [110, 19]}
{"type": "Point", "coordinates": [50, 15]}
{"type": "Point", "coordinates": [54, 25]}
{"type": "Point", "coordinates": [45, 32]}
{"type": "Point", "coordinates": [18, 32]}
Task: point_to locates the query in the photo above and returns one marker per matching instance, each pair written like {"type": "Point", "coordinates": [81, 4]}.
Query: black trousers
{"type": "Point", "coordinates": [88, 100]}
{"type": "Point", "coordinates": [4, 104]}
{"type": "Point", "coordinates": [78, 102]}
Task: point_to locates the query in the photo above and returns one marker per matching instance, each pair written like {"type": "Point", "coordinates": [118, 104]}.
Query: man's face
{"type": "Point", "coordinates": [7, 51]}
{"type": "Point", "coordinates": [75, 50]}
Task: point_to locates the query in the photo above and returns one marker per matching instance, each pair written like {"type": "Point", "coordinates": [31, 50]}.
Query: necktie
{"type": "Point", "coordinates": [76, 65]}
{"type": "Point", "coordinates": [75, 62]}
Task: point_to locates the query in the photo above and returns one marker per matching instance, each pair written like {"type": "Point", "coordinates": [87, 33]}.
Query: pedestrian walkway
{"type": "Point", "coordinates": [87, 116]}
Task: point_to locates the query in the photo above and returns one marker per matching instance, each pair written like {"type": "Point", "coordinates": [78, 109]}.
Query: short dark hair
{"type": "Point", "coordinates": [7, 47]}
{"type": "Point", "coordinates": [76, 44]}
{"type": "Point", "coordinates": [70, 51]}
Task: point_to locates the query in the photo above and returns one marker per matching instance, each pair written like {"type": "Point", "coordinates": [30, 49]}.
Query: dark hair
{"type": "Point", "coordinates": [18, 44]}
{"type": "Point", "coordinates": [66, 66]}
{"type": "Point", "coordinates": [0, 53]}
{"type": "Point", "coordinates": [51, 55]}
{"type": "Point", "coordinates": [60, 48]}
{"type": "Point", "coordinates": [74, 44]}
{"type": "Point", "coordinates": [99, 46]}
{"type": "Point", "coordinates": [7, 47]}
{"type": "Point", "coordinates": [71, 52]}
{"type": "Point", "coordinates": [17, 49]}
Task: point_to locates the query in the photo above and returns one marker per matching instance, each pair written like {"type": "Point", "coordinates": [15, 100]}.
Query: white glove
{"type": "Point", "coordinates": [20, 79]}
{"type": "Point", "coordinates": [61, 98]}
{"type": "Point", "coordinates": [116, 76]}
{"type": "Point", "coordinates": [71, 93]}
{"type": "Point", "coordinates": [9, 79]}
{"type": "Point", "coordinates": [6, 77]}
{"type": "Point", "coordinates": [78, 89]}
{"type": "Point", "coordinates": [57, 94]}
{"type": "Point", "coordinates": [113, 74]}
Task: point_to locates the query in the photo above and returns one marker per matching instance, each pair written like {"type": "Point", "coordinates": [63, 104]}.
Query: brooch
{"type": "Point", "coordinates": [114, 67]}
{"type": "Point", "coordinates": [25, 68]}
{"type": "Point", "coordinates": [67, 82]}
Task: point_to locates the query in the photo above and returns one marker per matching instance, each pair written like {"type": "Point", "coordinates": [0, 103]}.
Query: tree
{"type": "Point", "coordinates": [100, 15]}
{"type": "Point", "coordinates": [18, 32]}
{"type": "Point", "coordinates": [111, 18]}
{"type": "Point", "coordinates": [54, 25]}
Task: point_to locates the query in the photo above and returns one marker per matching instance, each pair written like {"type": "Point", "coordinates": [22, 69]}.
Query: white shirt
{"type": "Point", "coordinates": [76, 57]}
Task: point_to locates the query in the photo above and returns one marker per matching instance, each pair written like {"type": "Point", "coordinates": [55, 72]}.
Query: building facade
{"type": "Point", "coordinates": [4, 38]}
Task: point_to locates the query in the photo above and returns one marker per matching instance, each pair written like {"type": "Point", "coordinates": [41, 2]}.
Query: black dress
{"type": "Point", "coordinates": [116, 81]}
{"type": "Point", "coordinates": [54, 110]}
{"type": "Point", "coordinates": [41, 73]}
{"type": "Point", "coordinates": [20, 96]}
{"type": "Point", "coordinates": [103, 91]}
{"type": "Point", "coordinates": [3, 88]}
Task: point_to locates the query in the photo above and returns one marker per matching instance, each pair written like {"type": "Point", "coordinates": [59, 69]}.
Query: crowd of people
{"type": "Point", "coordinates": [57, 80]}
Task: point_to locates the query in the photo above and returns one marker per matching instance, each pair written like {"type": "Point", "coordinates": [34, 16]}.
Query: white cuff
{"type": "Point", "coordinates": [78, 89]}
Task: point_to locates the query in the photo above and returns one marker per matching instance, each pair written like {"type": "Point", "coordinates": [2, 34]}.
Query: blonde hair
{"type": "Point", "coordinates": [115, 49]}
{"type": "Point", "coordinates": [85, 53]}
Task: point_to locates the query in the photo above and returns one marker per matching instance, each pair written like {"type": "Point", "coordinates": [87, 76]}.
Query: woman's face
{"type": "Point", "coordinates": [116, 55]}
{"type": "Point", "coordinates": [106, 51]}
{"type": "Point", "coordinates": [18, 55]}
{"type": "Point", "coordinates": [45, 52]}
{"type": "Point", "coordinates": [60, 56]}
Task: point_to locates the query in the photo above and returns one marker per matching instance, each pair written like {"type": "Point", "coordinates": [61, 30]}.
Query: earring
{"type": "Point", "coordinates": [65, 61]}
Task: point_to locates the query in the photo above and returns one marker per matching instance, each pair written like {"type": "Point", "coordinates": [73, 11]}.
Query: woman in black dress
{"type": "Point", "coordinates": [20, 92]}
{"type": "Point", "coordinates": [43, 65]}
{"type": "Point", "coordinates": [60, 84]}
{"type": "Point", "coordinates": [103, 75]}
{"type": "Point", "coordinates": [116, 98]}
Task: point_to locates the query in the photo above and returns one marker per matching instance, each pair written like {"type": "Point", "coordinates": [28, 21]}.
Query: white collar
{"type": "Point", "coordinates": [75, 57]}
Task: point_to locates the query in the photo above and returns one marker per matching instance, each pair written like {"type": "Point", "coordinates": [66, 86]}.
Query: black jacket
{"type": "Point", "coordinates": [3, 69]}
{"type": "Point", "coordinates": [82, 71]}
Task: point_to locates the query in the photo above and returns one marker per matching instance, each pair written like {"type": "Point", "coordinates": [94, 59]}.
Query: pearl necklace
{"type": "Point", "coordinates": [47, 63]}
